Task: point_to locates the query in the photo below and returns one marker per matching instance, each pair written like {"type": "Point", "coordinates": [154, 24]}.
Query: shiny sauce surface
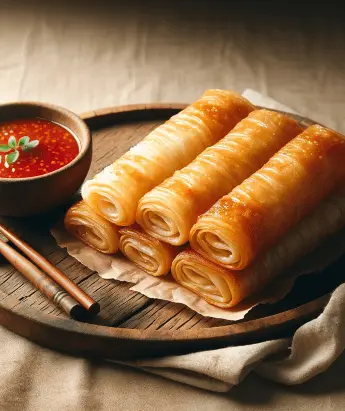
{"type": "Point", "coordinates": [33, 147]}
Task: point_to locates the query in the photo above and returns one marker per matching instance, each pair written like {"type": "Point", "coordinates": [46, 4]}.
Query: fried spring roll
{"type": "Point", "coordinates": [225, 288]}
{"type": "Point", "coordinates": [93, 230]}
{"type": "Point", "coordinates": [148, 253]}
{"type": "Point", "coordinates": [169, 211]}
{"type": "Point", "coordinates": [258, 212]}
{"type": "Point", "coordinates": [115, 192]}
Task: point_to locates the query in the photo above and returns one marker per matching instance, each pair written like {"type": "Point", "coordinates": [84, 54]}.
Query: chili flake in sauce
{"type": "Point", "coordinates": [33, 147]}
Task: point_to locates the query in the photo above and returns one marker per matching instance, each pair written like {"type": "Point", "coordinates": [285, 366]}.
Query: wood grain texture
{"type": "Point", "coordinates": [131, 325]}
{"type": "Point", "coordinates": [48, 269]}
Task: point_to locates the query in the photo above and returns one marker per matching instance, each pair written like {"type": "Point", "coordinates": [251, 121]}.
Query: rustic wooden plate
{"type": "Point", "coordinates": [131, 325]}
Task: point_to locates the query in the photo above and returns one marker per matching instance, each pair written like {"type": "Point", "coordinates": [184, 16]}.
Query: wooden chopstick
{"type": "Point", "coordinates": [51, 271]}
{"type": "Point", "coordinates": [41, 281]}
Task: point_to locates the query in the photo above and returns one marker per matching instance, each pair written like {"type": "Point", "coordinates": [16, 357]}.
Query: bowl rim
{"type": "Point", "coordinates": [84, 147]}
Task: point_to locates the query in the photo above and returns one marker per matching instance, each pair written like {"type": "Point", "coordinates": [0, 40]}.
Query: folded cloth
{"type": "Point", "coordinates": [312, 349]}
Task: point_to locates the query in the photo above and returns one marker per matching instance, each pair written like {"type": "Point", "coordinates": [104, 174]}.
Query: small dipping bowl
{"type": "Point", "coordinates": [34, 195]}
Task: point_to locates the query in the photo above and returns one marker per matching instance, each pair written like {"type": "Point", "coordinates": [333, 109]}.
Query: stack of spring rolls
{"type": "Point", "coordinates": [249, 189]}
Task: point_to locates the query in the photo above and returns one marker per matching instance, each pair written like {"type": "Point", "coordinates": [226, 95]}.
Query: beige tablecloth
{"type": "Point", "coordinates": [85, 56]}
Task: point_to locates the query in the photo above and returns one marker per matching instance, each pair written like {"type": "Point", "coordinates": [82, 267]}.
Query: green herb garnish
{"type": "Point", "coordinates": [13, 148]}
{"type": "Point", "coordinates": [12, 157]}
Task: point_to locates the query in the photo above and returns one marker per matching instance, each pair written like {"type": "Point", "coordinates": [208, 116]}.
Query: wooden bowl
{"type": "Point", "coordinates": [34, 195]}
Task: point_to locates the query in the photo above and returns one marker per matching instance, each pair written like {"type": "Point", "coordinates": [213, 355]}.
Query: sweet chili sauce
{"type": "Point", "coordinates": [33, 147]}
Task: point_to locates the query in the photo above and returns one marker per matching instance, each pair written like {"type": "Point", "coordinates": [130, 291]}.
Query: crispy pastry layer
{"type": "Point", "coordinates": [225, 288]}
{"type": "Point", "coordinates": [82, 222]}
{"type": "Point", "coordinates": [258, 212]}
{"type": "Point", "coordinates": [148, 253]}
{"type": "Point", "coordinates": [169, 211]}
{"type": "Point", "coordinates": [115, 192]}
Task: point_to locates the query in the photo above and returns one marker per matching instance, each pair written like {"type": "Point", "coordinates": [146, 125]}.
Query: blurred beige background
{"type": "Point", "coordinates": [91, 54]}
{"type": "Point", "coordinates": [86, 55]}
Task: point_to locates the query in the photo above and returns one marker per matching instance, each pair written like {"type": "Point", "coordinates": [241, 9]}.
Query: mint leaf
{"type": "Point", "coordinates": [23, 141]}
{"type": "Point", "coordinates": [33, 143]}
{"type": "Point", "coordinates": [4, 148]}
{"type": "Point", "coordinates": [29, 146]}
{"type": "Point", "coordinates": [12, 142]}
{"type": "Point", "coordinates": [12, 157]}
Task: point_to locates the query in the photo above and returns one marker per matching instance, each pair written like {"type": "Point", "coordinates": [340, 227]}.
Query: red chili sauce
{"type": "Point", "coordinates": [33, 147]}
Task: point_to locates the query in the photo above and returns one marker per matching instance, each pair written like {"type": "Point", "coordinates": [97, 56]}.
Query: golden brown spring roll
{"type": "Point", "coordinates": [148, 253]}
{"type": "Point", "coordinates": [114, 193]}
{"type": "Point", "coordinates": [82, 222]}
{"type": "Point", "coordinates": [225, 288]}
{"type": "Point", "coordinates": [169, 211]}
{"type": "Point", "coordinates": [264, 207]}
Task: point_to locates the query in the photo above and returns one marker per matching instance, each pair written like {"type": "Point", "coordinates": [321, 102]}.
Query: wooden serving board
{"type": "Point", "coordinates": [131, 325]}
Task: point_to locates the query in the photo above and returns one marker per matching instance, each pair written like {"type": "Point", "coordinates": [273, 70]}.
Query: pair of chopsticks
{"type": "Point", "coordinates": [55, 285]}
